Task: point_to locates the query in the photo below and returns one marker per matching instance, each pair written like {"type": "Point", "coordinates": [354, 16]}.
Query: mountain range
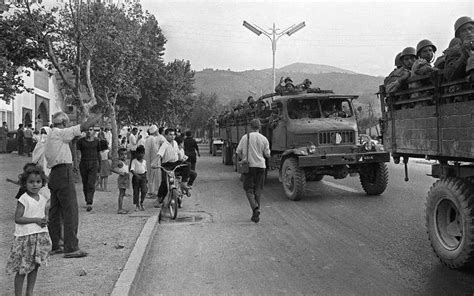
{"type": "Point", "coordinates": [232, 87]}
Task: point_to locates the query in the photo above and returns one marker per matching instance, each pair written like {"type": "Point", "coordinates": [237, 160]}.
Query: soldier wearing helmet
{"type": "Point", "coordinates": [306, 84]}
{"type": "Point", "coordinates": [453, 44]}
{"type": "Point", "coordinates": [460, 60]}
{"type": "Point", "coordinates": [425, 51]}
{"type": "Point", "coordinates": [398, 64]}
{"type": "Point", "coordinates": [285, 85]}
{"type": "Point", "coordinates": [401, 75]}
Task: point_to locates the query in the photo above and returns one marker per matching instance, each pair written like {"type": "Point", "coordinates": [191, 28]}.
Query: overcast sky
{"type": "Point", "coordinates": [361, 36]}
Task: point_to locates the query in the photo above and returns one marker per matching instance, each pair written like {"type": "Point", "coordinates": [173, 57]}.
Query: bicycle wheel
{"type": "Point", "coordinates": [173, 205]}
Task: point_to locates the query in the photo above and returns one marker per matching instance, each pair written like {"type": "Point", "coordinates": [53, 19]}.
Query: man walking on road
{"type": "Point", "coordinates": [258, 148]}
{"type": "Point", "coordinates": [61, 183]}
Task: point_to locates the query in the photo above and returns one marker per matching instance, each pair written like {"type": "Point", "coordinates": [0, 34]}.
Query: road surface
{"type": "Point", "coordinates": [335, 241]}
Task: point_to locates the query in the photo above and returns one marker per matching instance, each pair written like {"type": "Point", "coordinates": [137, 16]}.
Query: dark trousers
{"type": "Point", "coordinates": [182, 171]}
{"type": "Point", "coordinates": [253, 186]}
{"type": "Point", "coordinates": [139, 188]}
{"type": "Point", "coordinates": [20, 146]}
{"type": "Point", "coordinates": [63, 204]}
{"type": "Point", "coordinates": [28, 145]}
{"type": "Point", "coordinates": [192, 177]}
{"type": "Point", "coordinates": [89, 170]}
{"type": "Point", "coordinates": [192, 161]}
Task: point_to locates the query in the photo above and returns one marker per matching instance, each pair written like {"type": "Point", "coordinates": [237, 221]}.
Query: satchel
{"type": "Point", "coordinates": [243, 166]}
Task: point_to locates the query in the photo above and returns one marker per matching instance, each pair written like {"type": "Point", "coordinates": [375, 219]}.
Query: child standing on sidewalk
{"type": "Point", "coordinates": [139, 181]}
{"type": "Point", "coordinates": [123, 180]}
{"type": "Point", "coordinates": [32, 244]}
{"type": "Point", "coordinates": [105, 170]}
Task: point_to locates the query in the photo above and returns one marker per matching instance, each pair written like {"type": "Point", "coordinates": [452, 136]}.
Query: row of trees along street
{"type": "Point", "coordinates": [106, 54]}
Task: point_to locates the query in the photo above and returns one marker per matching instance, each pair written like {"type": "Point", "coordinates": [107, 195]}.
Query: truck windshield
{"type": "Point", "coordinates": [299, 108]}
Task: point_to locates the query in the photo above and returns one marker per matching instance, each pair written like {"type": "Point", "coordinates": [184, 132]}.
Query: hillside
{"type": "Point", "coordinates": [237, 86]}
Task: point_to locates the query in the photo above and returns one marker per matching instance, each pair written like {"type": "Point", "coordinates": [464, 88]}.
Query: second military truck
{"type": "Point", "coordinates": [312, 133]}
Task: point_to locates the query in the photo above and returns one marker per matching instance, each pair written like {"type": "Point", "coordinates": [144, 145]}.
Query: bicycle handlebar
{"type": "Point", "coordinates": [169, 171]}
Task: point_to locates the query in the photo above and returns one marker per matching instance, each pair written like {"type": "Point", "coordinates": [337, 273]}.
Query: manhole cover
{"type": "Point", "coordinates": [186, 217]}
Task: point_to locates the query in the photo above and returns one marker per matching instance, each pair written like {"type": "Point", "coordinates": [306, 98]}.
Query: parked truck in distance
{"type": "Point", "coordinates": [312, 133]}
{"type": "Point", "coordinates": [434, 120]}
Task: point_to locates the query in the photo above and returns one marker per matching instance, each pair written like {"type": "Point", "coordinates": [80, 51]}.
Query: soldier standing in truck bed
{"type": "Point", "coordinates": [398, 65]}
{"type": "Point", "coordinates": [460, 59]}
{"type": "Point", "coordinates": [441, 61]}
{"type": "Point", "coordinates": [425, 51]}
{"type": "Point", "coordinates": [401, 75]}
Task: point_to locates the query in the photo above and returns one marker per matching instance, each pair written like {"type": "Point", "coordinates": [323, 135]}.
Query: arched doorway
{"type": "Point", "coordinates": [27, 118]}
{"type": "Point", "coordinates": [42, 117]}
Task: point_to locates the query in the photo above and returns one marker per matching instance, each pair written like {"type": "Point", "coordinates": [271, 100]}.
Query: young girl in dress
{"type": "Point", "coordinates": [32, 244]}
{"type": "Point", "coordinates": [123, 180]}
{"type": "Point", "coordinates": [105, 165]}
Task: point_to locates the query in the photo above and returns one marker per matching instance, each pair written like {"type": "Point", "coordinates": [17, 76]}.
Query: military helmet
{"type": "Point", "coordinates": [408, 51]}
{"type": "Point", "coordinates": [424, 43]}
{"type": "Point", "coordinates": [288, 79]}
{"type": "Point", "coordinates": [460, 22]}
{"type": "Point", "coordinates": [398, 61]}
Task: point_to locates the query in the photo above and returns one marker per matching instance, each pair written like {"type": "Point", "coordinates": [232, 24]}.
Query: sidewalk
{"type": "Point", "coordinates": [108, 238]}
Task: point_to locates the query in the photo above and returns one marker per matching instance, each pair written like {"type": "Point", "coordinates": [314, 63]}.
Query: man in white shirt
{"type": "Point", "coordinates": [133, 142]}
{"type": "Point", "coordinates": [61, 183]}
{"type": "Point", "coordinates": [169, 157]}
{"type": "Point", "coordinates": [258, 148]}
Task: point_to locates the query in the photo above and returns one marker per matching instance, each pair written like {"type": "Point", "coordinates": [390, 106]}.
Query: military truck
{"type": "Point", "coordinates": [434, 120]}
{"type": "Point", "coordinates": [215, 143]}
{"type": "Point", "coordinates": [312, 133]}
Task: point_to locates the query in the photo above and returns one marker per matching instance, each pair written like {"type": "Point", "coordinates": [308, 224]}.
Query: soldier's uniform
{"type": "Point", "coordinates": [456, 65]}
{"type": "Point", "coordinates": [399, 76]}
{"type": "Point", "coordinates": [421, 65]}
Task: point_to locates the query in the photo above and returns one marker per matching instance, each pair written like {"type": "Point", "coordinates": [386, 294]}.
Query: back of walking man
{"type": "Point", "coordinates": [258, 149]}
{"type": "Point", "coordinates": [61, 183]}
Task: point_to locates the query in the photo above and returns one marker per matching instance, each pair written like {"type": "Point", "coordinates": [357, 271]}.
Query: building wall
{"type": "Point", "coordinates": [36, 107]}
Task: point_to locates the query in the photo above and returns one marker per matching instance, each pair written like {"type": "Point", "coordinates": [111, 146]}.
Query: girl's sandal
{"type": "Point", "coordinates": [122, 212]}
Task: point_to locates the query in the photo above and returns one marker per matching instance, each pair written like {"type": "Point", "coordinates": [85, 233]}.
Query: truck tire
{"type": "Point", "coordinates": [294, 179]}
{"type": "Point", "coordinates": [374, 178]}
{"type": "Point", "coordinates": [450, 222]}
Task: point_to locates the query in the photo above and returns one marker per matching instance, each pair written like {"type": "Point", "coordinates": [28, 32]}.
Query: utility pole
{"type": "Point", "coordinates": [274, 36]}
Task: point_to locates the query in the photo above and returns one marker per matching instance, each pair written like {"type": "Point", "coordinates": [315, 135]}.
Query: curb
{"type": "Point", "coordinates": [127, 281]}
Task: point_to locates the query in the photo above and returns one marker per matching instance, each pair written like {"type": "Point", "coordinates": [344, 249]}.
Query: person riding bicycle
{"type": "Point", "coordinates": [170, 157]}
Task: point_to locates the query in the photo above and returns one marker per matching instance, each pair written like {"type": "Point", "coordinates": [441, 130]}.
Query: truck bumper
{"type": "Point", "coordinates": [343, 159]}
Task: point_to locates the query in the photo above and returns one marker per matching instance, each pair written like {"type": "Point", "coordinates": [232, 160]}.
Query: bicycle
{"type": "Point", "coordinates": [176, 191]}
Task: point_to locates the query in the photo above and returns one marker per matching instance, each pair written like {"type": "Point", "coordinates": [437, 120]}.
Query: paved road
{"type": "Point", "coordinates": [336, 241]}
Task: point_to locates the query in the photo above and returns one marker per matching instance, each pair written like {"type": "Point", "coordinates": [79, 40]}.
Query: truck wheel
{"type": "Point", "coordinates": [294, 179]}
{"type": "Point", "coordinates": [374, 178]}
{"type": "Point", "coordinates": [450, 222]}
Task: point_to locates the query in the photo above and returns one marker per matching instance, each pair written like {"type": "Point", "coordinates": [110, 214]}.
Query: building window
{"type": "Point", "coordinates": [42, 80]}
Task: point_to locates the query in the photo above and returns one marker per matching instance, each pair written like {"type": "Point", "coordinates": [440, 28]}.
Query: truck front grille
{"type": "Point", "coordinates": [336, 137]}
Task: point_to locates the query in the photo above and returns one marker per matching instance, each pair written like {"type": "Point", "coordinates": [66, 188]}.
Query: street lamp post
{"type": "Point", "coordinates": [274, 36]}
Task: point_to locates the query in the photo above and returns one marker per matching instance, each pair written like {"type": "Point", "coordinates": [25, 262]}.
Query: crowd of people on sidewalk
{"type": "Point", "coordinates": [46, 221]}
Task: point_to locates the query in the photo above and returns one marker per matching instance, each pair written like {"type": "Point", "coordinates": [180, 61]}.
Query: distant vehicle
{"type": "Point", "coordinates": [198, 140]}
{"type": "Point", "coordinates": [12, 141]}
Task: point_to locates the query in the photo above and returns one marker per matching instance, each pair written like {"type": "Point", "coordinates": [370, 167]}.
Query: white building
{"type": "Point", "coordinates": [36, 107]}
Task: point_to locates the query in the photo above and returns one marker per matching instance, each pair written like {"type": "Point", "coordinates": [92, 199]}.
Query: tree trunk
{"type": "Point", "coordinates": [113, 123]}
